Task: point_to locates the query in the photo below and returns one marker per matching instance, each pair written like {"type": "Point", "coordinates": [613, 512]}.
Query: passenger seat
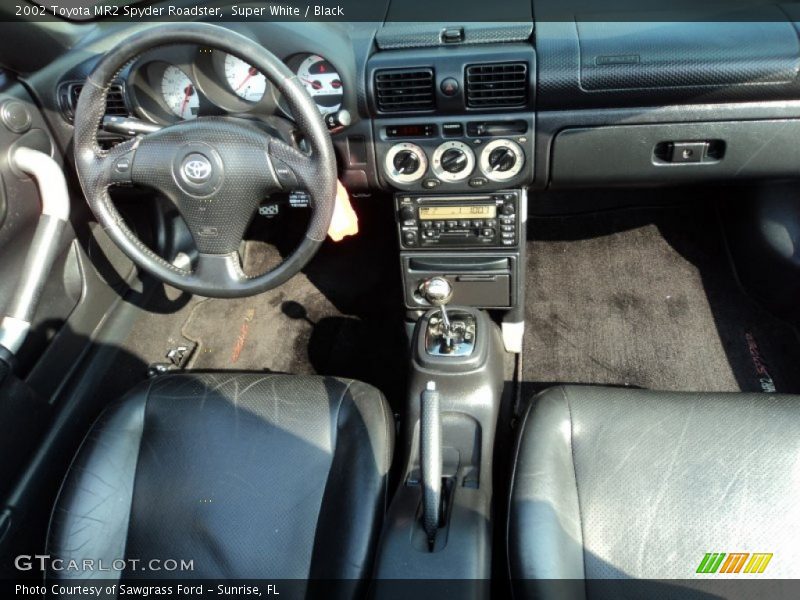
{"type": "Point", "coordinates": [615, 484]}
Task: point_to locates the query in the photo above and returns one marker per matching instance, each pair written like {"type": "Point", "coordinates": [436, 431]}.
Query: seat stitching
{"type": "Point", "coordinates": [577, 490]}
{"type": "Point", "coordinates": [338, 415]}
{"type": "Point", "coordinates": [388, 420]}
{"type": "Point", "coordinates": [511, 493]}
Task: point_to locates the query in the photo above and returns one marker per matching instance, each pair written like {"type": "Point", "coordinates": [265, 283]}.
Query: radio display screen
{"type": "Point", "coordinates": [479, 211]}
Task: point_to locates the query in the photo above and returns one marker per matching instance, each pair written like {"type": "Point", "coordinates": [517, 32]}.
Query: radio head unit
{"type": "Point", "coordinates": [428, 221]}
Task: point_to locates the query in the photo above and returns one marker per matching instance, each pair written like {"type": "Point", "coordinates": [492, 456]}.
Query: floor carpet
{"type": "Point", "coordinates": [646, 297]}
{"type": "Point", "coordinates": [341, 316]}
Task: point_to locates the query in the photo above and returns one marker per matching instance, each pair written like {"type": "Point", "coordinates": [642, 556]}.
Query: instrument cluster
{"type": "Point", "coordinates": [184, 83]}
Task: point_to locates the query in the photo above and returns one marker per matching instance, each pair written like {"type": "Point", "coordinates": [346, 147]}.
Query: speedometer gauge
{"type": "Point", "coordinates": [322, 83]}
{"type": "Point", "coordinates": [179, 93]}
{"type": "Point", "coordinates": [245, 80]}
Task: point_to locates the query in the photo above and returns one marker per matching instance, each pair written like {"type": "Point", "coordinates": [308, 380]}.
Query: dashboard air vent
{"type": "Point", "coordinates": [404, 90]}
{"type": "Point", "coordinates": [115, 100]}
{"type": "Point", "coordinates": [496, 85]}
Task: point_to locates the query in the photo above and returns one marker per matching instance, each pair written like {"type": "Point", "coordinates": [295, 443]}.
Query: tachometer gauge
{"type": "Point", "coordinates": [245, 80]}
{"type": "Point", "coordinates": [322, 83]}
{"type": "Point", "coordinates": [179, 93]}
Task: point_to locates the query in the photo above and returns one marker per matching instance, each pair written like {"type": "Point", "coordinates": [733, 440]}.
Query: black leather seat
{"type": "Point", "coordinates": [248, 475]}
{"type": "Point", "coordinates": [612, 484]}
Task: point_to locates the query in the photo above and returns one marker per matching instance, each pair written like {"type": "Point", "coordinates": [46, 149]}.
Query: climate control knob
{"type": "Point", "coordinates": [453, 161]}
{"type": "Point", "coordinates": [502, 160]}
{"type": "Point", "coordinates": [405, 163]}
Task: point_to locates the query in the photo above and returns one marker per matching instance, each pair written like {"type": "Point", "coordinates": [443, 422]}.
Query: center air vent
{"type": "Point", "coordinates": [401, 90]}
{"type": "Point", "coordinates": [496, 85]}
{"type": "Point", "coordinates": [115, 100]}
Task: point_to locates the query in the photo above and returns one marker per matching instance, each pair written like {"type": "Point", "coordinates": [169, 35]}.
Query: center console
{"type": "Point", "coordinates": [453, 141]}
{"type": "Point", "coordinates": [439, 523]}
{"type": "Point", "coordinates": [453, 138]}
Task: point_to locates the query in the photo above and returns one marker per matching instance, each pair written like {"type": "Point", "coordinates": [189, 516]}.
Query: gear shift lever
{"type": "Point", "coordinates": [438, 292]}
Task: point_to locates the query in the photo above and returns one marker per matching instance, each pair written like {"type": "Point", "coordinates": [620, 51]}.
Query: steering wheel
{"type": "Point", "coordinates": [216, 170]}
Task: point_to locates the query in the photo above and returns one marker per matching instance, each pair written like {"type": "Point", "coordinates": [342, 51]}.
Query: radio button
{"type": "Point", "coordinates": [506, 228]}
{"type": "Point", "coordinates": [477, 223]}
{"type": "Point", "coordinates": [490, 223]}
{"type": "Point", "coordinates": [487, 232]}
{"type": "Point", "coordinates": [464, 224]}
{"type": "Point", "coordinates": [452, 224]}
{"type": "Point", "coordinates": [407, 213]}
{"type": "Point", "coordinates": [427, 224]}
{"type": "Point", "coordinates": [438, 224]}
{"type": "Point", "coordinates": [507, 235]}
{"type": "Point", "coordinates": [410, 238]}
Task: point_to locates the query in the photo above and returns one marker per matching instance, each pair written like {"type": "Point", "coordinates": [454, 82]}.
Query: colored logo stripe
{"type": "Point", "coordinates": [734, 562]}
{"type": "Point", "coordinates": [758, 563]}
{"type": "Point", "coordinates": [713, 562]}
{"type": "Point", "coordinates": [710, 562]}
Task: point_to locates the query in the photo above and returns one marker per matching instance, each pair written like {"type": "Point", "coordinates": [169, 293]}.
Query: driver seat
{"type": "Point", "coordinates": [250, 476]}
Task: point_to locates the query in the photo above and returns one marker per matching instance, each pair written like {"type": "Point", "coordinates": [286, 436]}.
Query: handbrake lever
{"type": "Point", "coordinates": [431, 461]}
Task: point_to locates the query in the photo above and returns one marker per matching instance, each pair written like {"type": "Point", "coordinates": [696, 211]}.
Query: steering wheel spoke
{"type": "Point", "coordinates": [220, 269]}
{"type": "Point", "coordinates": [117, 162]}
{"type": "Point", "coordinates": [292, 167]}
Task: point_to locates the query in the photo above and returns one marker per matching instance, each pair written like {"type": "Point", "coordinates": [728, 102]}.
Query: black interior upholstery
{"type": "Point", "coordinates": [613, 484]}
{"type": "Point", "coordinates": [252, 476]}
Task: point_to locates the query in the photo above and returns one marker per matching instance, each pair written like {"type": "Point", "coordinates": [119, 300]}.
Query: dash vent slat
{"type": "Point", "coordinates": [497, 85]}
{"type": "Point", "coordinates": [116, 105]}
{"type": "Point", "coordinates": [401, 90]}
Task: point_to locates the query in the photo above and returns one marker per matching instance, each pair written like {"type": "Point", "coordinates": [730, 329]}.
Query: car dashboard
{"type": "Point", "coordinates": [459, 123]}
{"type": "Point", "coordinates": [562, 184]}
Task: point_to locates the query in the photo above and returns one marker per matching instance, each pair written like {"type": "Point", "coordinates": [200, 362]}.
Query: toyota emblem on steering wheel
{"type": "Point", "coordinates": [197, 168]}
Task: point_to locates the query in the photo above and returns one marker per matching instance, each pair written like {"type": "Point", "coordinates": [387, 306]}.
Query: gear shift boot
{"type": "Point", "coordinates": [456, 340]}
{"type": "Point", "coordinates": [450, 332]}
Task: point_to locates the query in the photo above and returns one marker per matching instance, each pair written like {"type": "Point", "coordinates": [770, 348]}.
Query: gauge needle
{"type": "Point", "coordinates": [251, 72]}
{"type": "Point", "coordinates": [187, 93]}
{"type": "Point", "coordinates": [314, 84]}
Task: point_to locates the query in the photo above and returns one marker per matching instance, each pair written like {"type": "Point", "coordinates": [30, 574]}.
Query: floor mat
{"type": "Point", "coordinates": [646, 297]}
{"type": "Point", "coordinates": [341, 316]}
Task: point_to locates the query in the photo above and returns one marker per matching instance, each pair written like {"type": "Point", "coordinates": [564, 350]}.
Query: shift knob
{"type": "Point", "coordinates": [437, 291]}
